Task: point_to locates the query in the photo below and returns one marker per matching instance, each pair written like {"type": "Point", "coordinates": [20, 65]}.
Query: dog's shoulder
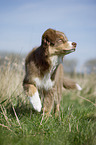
{"type": "Point", "coordinates": [30, 56]}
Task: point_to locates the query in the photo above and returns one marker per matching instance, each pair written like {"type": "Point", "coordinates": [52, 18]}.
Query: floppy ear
{"type": "Point", "coordinates": [45, 42]}
{"type": "Point", "coordinates": [49, 37]}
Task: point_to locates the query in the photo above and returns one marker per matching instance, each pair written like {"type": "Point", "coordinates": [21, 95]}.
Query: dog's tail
{"type": "Point", "coordinates": [69, 84]}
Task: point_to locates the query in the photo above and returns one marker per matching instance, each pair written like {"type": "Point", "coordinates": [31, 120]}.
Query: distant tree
{"type": "Point", "coordinates": [90, 66]}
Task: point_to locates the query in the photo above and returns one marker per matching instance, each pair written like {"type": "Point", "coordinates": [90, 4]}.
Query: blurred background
{"type": "Point", "coordinates": [22, 23]}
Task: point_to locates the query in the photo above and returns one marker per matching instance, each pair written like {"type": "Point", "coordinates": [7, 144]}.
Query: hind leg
{"type": "Point", "coordinates": [33, 95]}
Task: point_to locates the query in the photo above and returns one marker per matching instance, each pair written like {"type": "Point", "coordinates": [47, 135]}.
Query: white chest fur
{"type": "Point", "coordinates": [46, 82]}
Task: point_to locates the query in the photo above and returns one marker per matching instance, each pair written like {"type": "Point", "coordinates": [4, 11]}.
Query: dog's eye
{"type": "Point", "coordinates": [60, 41]}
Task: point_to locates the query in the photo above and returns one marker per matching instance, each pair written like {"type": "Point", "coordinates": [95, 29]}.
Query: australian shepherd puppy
{"type": "Point", "coordinates": [44, 76]}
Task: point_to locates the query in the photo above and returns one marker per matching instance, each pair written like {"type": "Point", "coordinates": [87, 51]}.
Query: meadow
{"type": "Point", "coordinates": [20, 125]}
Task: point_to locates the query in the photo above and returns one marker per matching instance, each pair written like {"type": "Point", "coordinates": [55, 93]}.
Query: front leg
{"type": "Point", "coordinates": [48, 101]}
{"type": "Point", "coordinates": [33, 95]}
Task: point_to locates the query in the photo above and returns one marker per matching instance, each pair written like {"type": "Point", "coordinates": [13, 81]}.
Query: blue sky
{"type": "Point", "coordinates": [22, 23]}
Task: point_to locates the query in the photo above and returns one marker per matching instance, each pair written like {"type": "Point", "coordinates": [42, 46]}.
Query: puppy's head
{"type": "Point", "coordinates": [57, 43]}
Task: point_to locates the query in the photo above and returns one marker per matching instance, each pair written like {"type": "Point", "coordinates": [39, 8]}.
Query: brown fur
{"type": "Point", "coordinates": [38, 64]}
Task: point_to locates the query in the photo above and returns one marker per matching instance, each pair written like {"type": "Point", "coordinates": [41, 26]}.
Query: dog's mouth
{"type": "Point", "coordinates": [64, 52]}
{"type": "Point", "coordinates": [69, 51]}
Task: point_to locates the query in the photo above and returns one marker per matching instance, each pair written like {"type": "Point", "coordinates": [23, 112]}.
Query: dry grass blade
{"type": "Point", "coordinates": [5, 126]}
{"type": "Point", "coordinates": [6, 118]}
{"type": "Point", "coordinates": [69, 127]}
{"type": "Point", "coordinates": [87, 100]}
{"type": "Point", "coordinates": [16, 116]}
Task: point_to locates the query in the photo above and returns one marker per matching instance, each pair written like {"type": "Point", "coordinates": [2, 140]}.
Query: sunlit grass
{"type": "Point", "coordinates": [19, 124]}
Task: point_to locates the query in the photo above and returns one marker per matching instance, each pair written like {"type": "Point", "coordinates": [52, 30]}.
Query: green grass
{"type": "Point", "coordinates": [20, 125]}
{"type": "Point", "coordinates": [75, 125]}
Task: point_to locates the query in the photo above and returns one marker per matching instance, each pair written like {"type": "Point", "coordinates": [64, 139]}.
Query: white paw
{"type": "Point", "coordinates": [78, 87]}
{"type": "Point", "coordinates": [35, 102]}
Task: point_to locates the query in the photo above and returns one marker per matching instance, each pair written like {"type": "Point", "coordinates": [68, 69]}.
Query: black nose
{"type": "Point", "coordinates": [74, 44]}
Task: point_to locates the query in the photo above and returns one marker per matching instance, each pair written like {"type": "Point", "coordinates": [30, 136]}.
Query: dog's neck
{"type": "Point", "coordinates": [55, 61]}
{"type": "Point", "coordinates": [48, 63]}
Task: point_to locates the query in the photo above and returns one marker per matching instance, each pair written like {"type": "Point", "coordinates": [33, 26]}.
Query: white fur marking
{"type": "Point", "coordinates": [36, 102]}
{"type": "Point", "coordinates": [78, 87]}
{"type": "Point", "coordinates": [45, 83]}
{"type": "Point", "coordinates": [70, 44]}
{"type": "Point", "coordinates": [54, 60]}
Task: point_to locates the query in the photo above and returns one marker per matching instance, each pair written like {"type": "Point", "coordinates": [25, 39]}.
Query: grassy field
{"type": "Point", "coordinates": [20, 125]}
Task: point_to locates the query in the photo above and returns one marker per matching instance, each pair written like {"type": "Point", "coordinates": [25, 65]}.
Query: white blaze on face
{"type": "Point", "coordinates": [70, 44]}
{"type": "Point", "coordinates": [35, 101]}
